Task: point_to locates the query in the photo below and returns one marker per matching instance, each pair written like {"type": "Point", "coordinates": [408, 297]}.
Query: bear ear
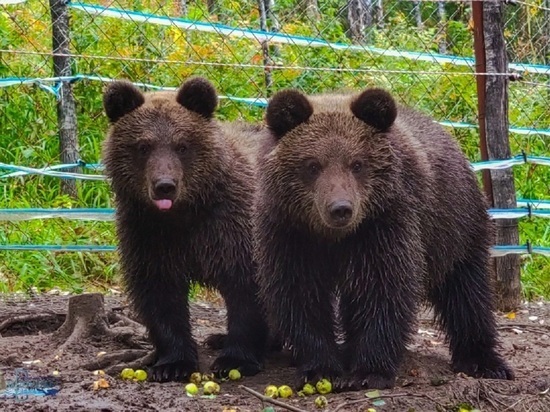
{"type": "Point", "coordinates": [199, 96]}
{"type": "Point", "coordinates": [121, 97]}
{"type": "Point", "coordinates": [376, 107]}
{"type": "Point", "coordinates": [286, 110]}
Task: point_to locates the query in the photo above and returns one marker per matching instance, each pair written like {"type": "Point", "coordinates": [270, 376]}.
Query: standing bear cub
{"type": "Point", "coordinates": [184, 187]}
{"type": "Point", "coordinates": [373, 205]}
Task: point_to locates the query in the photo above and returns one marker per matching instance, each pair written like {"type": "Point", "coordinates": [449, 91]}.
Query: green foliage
{"type": "Point", "coordinates": [166, 55]}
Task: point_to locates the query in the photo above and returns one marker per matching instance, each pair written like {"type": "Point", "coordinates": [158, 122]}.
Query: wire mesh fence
{"type": "Point", "coordinates": [422, 51]}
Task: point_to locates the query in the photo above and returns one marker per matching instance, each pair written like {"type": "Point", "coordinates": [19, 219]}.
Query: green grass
{"type": "Point", "coordinates": [28, 125]}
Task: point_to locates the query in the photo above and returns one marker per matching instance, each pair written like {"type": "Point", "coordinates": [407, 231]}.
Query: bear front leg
{"type": "Point", "coordinates": [164, 309]}
{"type": "Point", "coordinates": [463, 305]}
{"type": "Point", "coordinates": [300, 303]}
{"type": "Point", "coordinates": [378, 308]}
{"type": "Point", "coordinates": [245, 345]}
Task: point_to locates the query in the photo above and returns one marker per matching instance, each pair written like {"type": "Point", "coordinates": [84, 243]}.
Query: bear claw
{"type": "Point", "coordinates": [490, 368]}
{"type": "Point", "coordinates": [223, 364]}
{"type": "Point", "coordinates": [172, 371]}
{"type": "Point", "coordinates": [313, 375]}
{"type": "Point", "coordinates": [369, 381]}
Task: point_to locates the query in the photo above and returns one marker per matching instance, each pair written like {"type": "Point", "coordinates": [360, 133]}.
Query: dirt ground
{"type": "Point", "coordinates": [30, 352]}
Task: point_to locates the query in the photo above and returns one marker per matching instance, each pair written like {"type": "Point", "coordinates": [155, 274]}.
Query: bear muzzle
{"type": "Point", "coordinates": [340, 213]}
{"type": "Point", "coordinates": [164, 193]}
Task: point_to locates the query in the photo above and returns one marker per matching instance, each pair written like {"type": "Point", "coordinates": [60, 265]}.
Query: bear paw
{"type": "Point", "coordinates": [223, 364]}
{"type": "Point", "coordinates": [489, 367]}
{"type": "Point", "coordinates": [180, 370]}
{"type": "Point", "coordinates": [360, 381]}
{"type": "Point", "coordinates": [314, 373]}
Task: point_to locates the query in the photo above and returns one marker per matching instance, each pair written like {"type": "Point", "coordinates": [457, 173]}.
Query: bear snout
{"type": "Point", "coordinates": [164, 193]}
{"type": "Point", "coordinates": [340, 212]}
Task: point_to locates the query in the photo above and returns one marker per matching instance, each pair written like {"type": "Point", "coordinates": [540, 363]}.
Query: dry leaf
{"type": "Point", "coordinates": [101, 383]}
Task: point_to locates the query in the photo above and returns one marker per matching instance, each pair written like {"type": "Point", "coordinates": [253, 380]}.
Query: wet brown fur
{"type": "Point", "coordinates": [204, 237]}
{"type": "Point", "coordinates": [417, 226]}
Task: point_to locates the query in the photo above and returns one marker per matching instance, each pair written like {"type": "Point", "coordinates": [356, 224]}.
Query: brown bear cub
{"type": "Point", "coordinates": [370, 204]}
{"type": "Point", "coordinates": [184, 187]}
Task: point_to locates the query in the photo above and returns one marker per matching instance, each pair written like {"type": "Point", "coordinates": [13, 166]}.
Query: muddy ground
{"type": "Point", "coordinates": [425, 382]}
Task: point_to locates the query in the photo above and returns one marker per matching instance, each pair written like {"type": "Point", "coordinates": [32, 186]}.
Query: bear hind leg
{"type": "Point", "coordinates": [463, 306]}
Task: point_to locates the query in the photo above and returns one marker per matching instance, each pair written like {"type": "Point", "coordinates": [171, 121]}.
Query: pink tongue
{"type": "Point", "coordinates": [163, 204]}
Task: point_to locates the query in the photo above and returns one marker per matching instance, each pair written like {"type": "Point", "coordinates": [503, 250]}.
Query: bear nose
{"type": "Point", "coordinates": [341, 211]}
{"type": "Point", "coordinates": [165, 189]}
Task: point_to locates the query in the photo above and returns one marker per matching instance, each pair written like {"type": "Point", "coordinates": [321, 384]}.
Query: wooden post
{"type": "Point", "coordinates": [494, 140]}
{"type": "Point", "coordinates": [66, 111]}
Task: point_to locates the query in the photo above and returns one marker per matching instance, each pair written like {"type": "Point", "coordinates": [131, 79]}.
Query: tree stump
{"type": "Point", "coordinates": [87, 320]}
{"type": "Point", "coordinates": [85, 317]}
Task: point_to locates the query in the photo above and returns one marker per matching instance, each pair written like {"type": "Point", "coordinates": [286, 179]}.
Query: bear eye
{"type": "Point", "coordinates": [313, 167]}
{"type": "Point", "coordinates": [143, 148]}
{"type": "Point", "coordinates": [181, 149]}
{"type": "Point", "coordinates": [356, 166]}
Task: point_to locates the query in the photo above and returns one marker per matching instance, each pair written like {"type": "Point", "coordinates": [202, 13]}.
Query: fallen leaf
{"type": "Point", "coordinates": [511, 315]}
{"type": "Point", "coordinates": [101, 383]}
{"type": "Point", "coordinates": [373, 394]}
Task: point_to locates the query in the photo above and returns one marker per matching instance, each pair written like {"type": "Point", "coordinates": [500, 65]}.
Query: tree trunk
{"type": "Point", "coordinates": [417, 14]}
{"type": "Point", "coordinates": [214, 9]}
{"type": "Point", "coordinates": [442, 27]}
{"type": "Point", "coordinates": [379, 13]}
{"type": "Point", "coordinates": [66, 110]}
{"type": "Point", "coordinates": [265, 47]}
{"type": "Point", "coordinates": [272, 24]}
{"type": "Point", "coordinates": [180, 7]}
{"type": "Point", "coordinates": [508, 286]}
{"type": "Point", "coordinates": [310, 8]}
{"type": "Point", "coordinates": [360, 19]}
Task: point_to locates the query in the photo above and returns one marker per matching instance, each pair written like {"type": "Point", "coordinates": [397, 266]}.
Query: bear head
{"type": "Point", "coordinates": [330, 157]}
{"type": "Point", "coordinates": [161, 147]}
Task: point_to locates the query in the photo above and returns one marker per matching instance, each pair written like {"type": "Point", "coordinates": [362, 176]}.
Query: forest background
{"type": "Point", "coordinates": [422, 51]}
